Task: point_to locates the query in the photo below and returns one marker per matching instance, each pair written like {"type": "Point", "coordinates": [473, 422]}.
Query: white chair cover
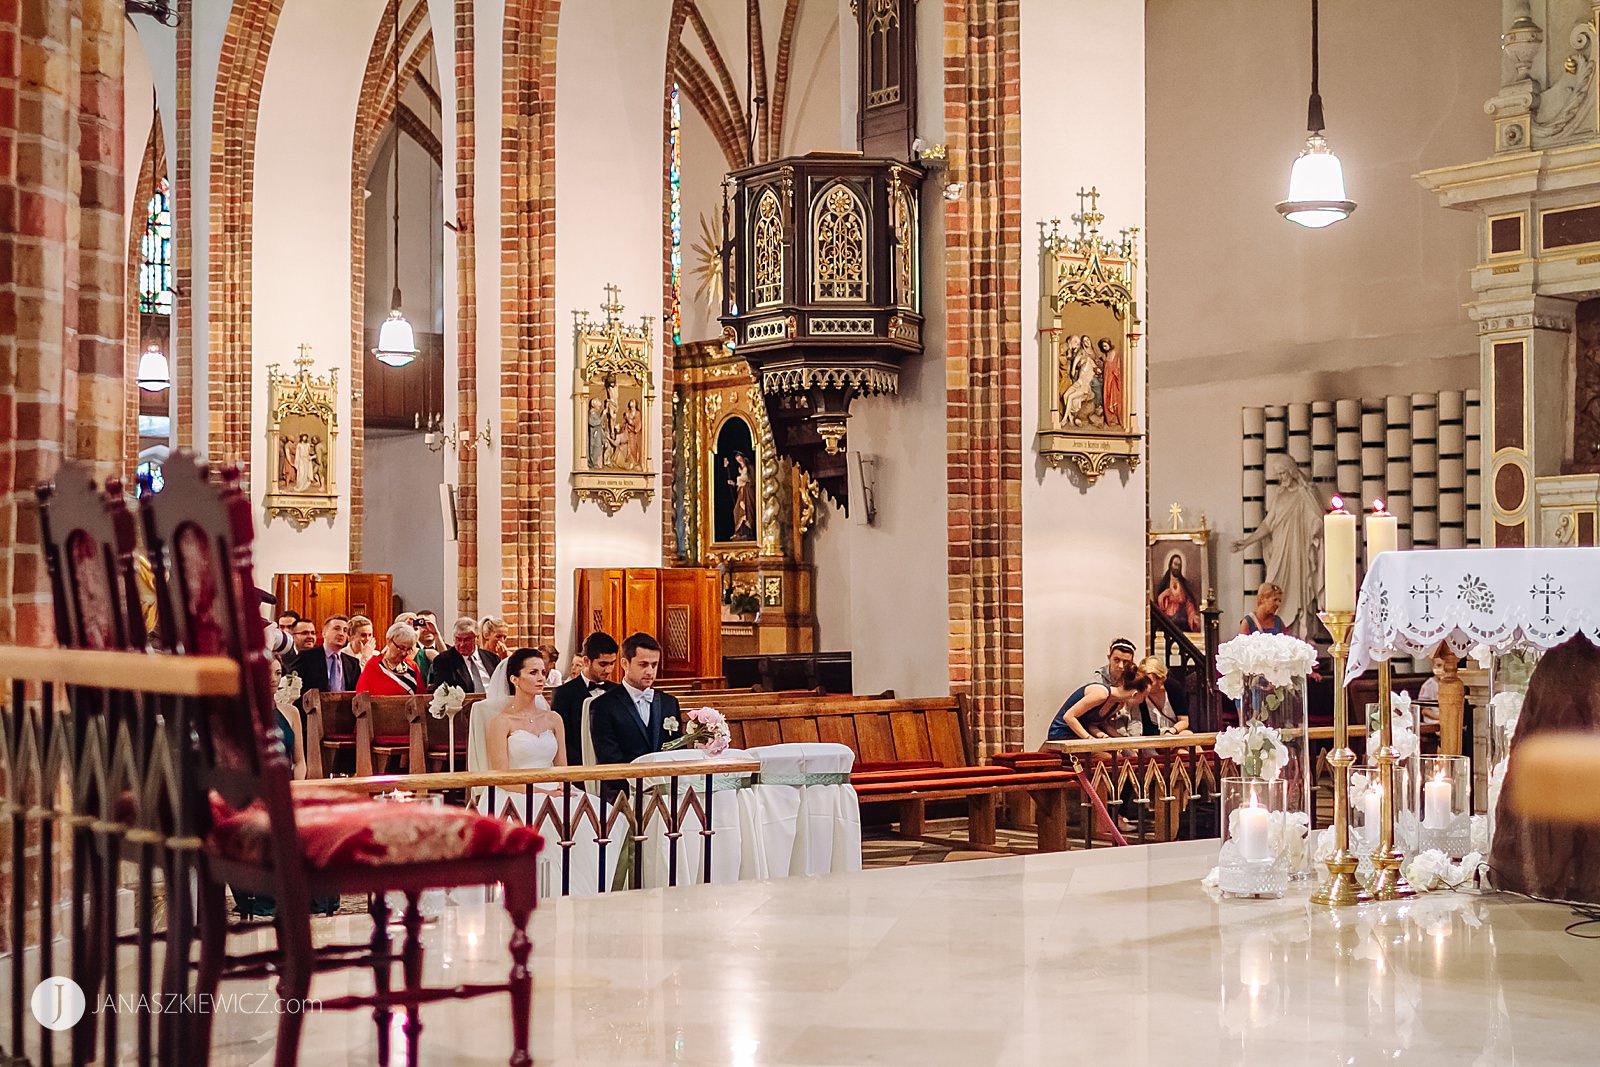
{"type": "Point", "coordinates": [828, 833]}
{"type": "Point", "coordinates": [726, 820]}
{"type": "Point", "coordinates": [776, 799]}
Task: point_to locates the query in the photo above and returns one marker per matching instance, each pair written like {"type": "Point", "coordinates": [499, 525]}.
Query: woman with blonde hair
{"type": "Point", "coordinates": [1264, 619]}
{"type": "Point", "coordinates": [1161, 715]}
{"type": "Point", "coordinates": [363, 641]}
{"type": "Point", "coordinates": [493, 634]}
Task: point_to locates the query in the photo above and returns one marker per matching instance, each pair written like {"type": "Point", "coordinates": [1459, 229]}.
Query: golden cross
{"type": "Point", "coordinates": [303, 361]}
{"type": "Point", "coordinates": [613, 307]}
{"type": "Point", "coordinates": [1176, 511]}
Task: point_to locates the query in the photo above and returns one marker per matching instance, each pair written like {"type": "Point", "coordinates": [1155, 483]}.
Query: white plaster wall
{"type": "Point", "coordinates": [404, 527]}
{"type": "Point", "coordinates": [422, 234]}
{"type": "Point", "coordinates": [154, 66]}
{"type": "Point", "coordinates": [302, 243]}
{"type": "Point", "coordinates": [1083, 568]}
{"type": "Point", "coordinates": [138, 109]}
{"type": "Point", "coordinates": [1247, 309]}
{"type": "Point", "coordinates": [700, 196]}
{"type": "Point", "coordinates": [442, 15]}
{"type": "Point", "coordinates": [608, 230]}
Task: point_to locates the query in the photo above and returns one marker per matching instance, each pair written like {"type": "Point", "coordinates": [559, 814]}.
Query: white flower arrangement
{"type": "Point", "coordinates": [1402, 736]}
{"type": "Point", "coordinates": [1507, 708]}
{"type": "Point", "coordinates": [1258, 749]}
{"type": "Point", "coordinates": [1480, 834]}
{"type": "Point", "coordinates": [1432, 870]}
{"type": "Point", "coordinates": [670, 724]}
{"type": "Point", "coordinates": [447, 701]}
{"type": "Point", "coordinates": [288, 691]}
{"type": "Point", "coordinates": [707, 731]}
{"type": "Point", "coordinates": [1279, 659]}
{"type": "Point", "coordinates": [1497, 778]}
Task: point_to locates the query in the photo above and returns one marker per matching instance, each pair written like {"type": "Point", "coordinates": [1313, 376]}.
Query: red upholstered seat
{"type": "Point", "coordinates": [391, 741]}
{"type": "Point", "coordinates": [371, 834]}
{"type": "Point", "coordinates": [893, 765]}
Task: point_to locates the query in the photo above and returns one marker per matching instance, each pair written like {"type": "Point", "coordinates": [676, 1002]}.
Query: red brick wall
{"type": "Point", "coordinates": [240, 69]}
{"type": "Point", "coordinates": [983, 293]}
{"type": "Point", "coordinates": [466, 312]}
{"type": "Point", "coordinates": [527, 320]}
{"type": "Point", "coordinates": [183, 236]}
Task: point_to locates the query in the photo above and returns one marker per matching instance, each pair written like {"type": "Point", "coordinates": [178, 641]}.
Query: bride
{"type": "Point", "coordinates": [513, 729]}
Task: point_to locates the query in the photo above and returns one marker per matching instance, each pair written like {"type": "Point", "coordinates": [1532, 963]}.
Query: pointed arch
{"type": "Point", "coordinates": [839, 236]}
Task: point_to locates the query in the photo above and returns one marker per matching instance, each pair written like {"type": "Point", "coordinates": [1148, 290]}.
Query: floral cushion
{"type": "Point", "coordinates": [370, 834]}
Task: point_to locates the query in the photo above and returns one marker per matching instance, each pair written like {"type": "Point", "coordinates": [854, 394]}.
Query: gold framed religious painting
{"type": "Point", "coordinates": [1088, 346]}
{"type": "Point", "coordinates": [1180, 574]}
{"type": "Point", "coordinates": [302, 426]}
{"type": "Point", "coordinates": [613, 400]}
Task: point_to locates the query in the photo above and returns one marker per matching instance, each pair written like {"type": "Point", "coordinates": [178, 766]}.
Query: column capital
{"type": "Point", "coordinates": [1523, 313]}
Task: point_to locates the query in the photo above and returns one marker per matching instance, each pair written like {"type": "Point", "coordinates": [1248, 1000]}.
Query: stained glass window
{"type": "Point", "coordinates": [675, 218]}
{"type": "Point", "coordinates": [155, 254]}
{"type": "Point", "coordinates": [149, 479]}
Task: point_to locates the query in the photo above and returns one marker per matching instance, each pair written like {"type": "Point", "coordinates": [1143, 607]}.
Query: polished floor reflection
{"type": "Point", "coordinates": [1111, 956]}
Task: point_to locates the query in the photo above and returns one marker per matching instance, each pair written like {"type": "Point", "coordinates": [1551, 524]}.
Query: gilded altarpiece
{"type": "Point", "coordinates": [1088, 346]}
{"type": "Point", "coordinates": [301, 427]}
{"type": "Point", "coordinates": [739, 506]}
{"type": "Point", "coordinates": [613, 399]}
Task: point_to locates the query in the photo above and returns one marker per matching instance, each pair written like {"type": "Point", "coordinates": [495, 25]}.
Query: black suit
{"type": "Point", "coordinates": [312, 667]}
{"type": "Point", "coordinates": [450, 668]}
{"type": "Point", "coordinates": [567, 702]}
{"type": "Point", "coordinates": [619, 732]}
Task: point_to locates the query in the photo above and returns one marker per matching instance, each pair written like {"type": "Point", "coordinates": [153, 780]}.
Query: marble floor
{"type": "Point", "coordinates": [1112, 956]}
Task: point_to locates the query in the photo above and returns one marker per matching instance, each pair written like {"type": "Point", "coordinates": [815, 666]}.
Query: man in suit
{"type": "Point", "coordinates": [465, 665]}
{"type": "Point", "coordinates": [600, 649]}
{"type": "Point", "coordinates": [633, 718]}
{"type": "Point", "coordinates": [327, 668]}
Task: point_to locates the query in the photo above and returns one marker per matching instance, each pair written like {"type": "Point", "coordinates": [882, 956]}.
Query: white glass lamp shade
{"type": "Point", "coordinates": [154, 373]}
{"type": "Point", "coordinates": [397, 345]}
{"type": "Point", "coordinates": [1316, 187]}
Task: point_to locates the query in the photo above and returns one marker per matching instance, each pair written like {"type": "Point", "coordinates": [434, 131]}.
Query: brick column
{"type": "Point", "coordinates": [983, 293]}
{"type": "Point", "coordinates": [466, 312]}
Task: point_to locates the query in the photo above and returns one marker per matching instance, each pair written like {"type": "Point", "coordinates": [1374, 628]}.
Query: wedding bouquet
{"type": "Point", "coordinates": [1278, 658]}
{"type": "Point", "coordinates": [447, 701]}
{"type": "Point", "coordinates": [288, 690]}
{"type": "Point", "coordinates": [707, 730]}
{"type": "Point", "coordinates": [1258, 749]}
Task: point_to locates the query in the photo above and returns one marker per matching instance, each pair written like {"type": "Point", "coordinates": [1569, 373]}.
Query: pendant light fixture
{"type": "Point", "coordinates": [155, 375]}
{"type": "Point", "coordinates": [1316, 184]}
{"type": "Point", "coordinates": [397, 344]}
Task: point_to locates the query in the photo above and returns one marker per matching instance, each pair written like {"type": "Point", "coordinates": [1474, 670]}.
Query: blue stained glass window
{"type": "Point", "coordinates": [675, 218]}
{"type": "Point", "coordinates": [155, 253]}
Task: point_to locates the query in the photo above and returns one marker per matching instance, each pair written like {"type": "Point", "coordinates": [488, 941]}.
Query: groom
{"type": "Point", "coordinates": [633, 718]}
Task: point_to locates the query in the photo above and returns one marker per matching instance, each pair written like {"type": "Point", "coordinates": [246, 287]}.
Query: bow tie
{"type": "Point", "coordinates": [648, 695]}
{"type": "Point", "coordinates": [595, 687]}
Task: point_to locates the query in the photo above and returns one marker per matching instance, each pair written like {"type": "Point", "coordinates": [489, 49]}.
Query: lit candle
{"type": "Point", "coordinates": [1372, 809]}
{"type": "Point", "coordinates": [1338, 559]}
{"type": "Point", "coordinates": [1382, 530]}
{"type": "Point", "coordinates": [1254, 845]}
{"type": "Point", "coordinates": [1438, 803]}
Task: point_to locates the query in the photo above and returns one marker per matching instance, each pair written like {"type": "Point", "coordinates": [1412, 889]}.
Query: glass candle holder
{"type": "Point", "coordinates": [1444, 804]}
{"type": "Point", "coordinates": [1255, 857]}
{"type": "Point", "coordinates": [1509, 673]}
{"type": "Point", "coordinates": [1284, 709]}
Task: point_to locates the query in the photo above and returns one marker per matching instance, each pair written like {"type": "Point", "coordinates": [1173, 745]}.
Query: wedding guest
{"type": "Point", "coordinates": [363, 644]}
{"type": "Point", "coordinates": [329, 668]}
{"type": "Point", "coordinates": [593, 678]}
{"type": "Point", "coordinates": [290, 726]}
{"type": "Point", "coordinates": [493, 634]}
{"type": "Point", "coordinates": [429, 640]}
{"type": "Point", "coordinates": [1119, 658]}
{"type": "Point", "coordinates": [1264, 619]}
{"type": "Point", "coordinates": [466, 665]}
{"type": "Point", "coordinates": [303, 636]}
{"type": "Point", "coordinates": [420, 658]}
{"type": "Point", "coordinates": [287, 621]}
{"type": "Point", "coordinates": [392, 672]}
{"type": "Point", "coordinates": [552, 655]}
{"type": "Point", "coordinates": [1094, 708]}
{"type": "Point", "coordinates": [1162, 710]}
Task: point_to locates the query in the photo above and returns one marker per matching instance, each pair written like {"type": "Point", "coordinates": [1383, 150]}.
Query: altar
{"type": "Point", "coordinates": [1110, 955]}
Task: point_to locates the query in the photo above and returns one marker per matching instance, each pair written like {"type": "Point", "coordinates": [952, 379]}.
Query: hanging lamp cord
{"type": "Point", "coordinates": [396, 161]}
{"type": "Point", "coordinates": [1314, 121]}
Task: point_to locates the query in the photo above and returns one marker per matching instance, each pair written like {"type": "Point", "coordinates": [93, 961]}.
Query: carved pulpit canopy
{"type": "Point", "coordinates": [1088, 345]}
{"type": "Point", "coordinates": [823, 292]}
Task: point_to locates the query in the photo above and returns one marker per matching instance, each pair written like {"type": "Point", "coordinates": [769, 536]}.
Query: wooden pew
{"type": "Point", "coordinates": [909, 752]}
{"type": "Point", "coordinates": [387, 726]}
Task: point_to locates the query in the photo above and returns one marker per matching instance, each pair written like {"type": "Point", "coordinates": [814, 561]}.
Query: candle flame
{"type": "Point", "coordinates": [1438, 775]}
{"type": "Point", "coordinates": [1377, 507]}
{"type": "Point", "coordinates": [1337, 502]}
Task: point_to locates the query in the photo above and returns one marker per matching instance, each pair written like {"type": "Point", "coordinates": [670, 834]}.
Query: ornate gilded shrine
{"type": "Point", "coordinates": [302, 424]}
{"type": "Point", "coordinates": [739, 506]}
{"type": "Point", "coordinates": [613, 398]}
{"type": "Point", "coordinates": [823, 295]}
{"type": "Point", "coordinates": [1088, 345]}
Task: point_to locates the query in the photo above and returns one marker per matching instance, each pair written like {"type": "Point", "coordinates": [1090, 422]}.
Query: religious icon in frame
{"type": "Point", "coordinates": [301, 427]}
{"type": "Point", "coordinates": [735, 482]}
{"type": "Point", "coordinates": [613, 400]}
{"type": "Point", "coordinates": [1088, 345]}
{"type": "Point", "coordinates": [1180, 574]}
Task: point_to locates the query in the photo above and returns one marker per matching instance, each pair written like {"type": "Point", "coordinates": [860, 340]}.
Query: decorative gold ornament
{"type": "Point", "coordinates": [302, 424]}
{"type": "Point", "coordinates": [613, 401]}
{"type": "Point", "coordinates": [1342, 888]}
{"type": "Point", "coordinates": [1387, 881]}
{"type": "Point", "coordinates": [839, 247]}
{"type": "Point", "coordinates": [1088, 352]}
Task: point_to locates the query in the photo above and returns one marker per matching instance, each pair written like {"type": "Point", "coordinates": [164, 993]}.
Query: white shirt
{"type": "Point", "coordinates": [642, 699]}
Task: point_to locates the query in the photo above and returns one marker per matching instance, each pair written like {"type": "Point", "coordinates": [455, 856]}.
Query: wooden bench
{"type": "Point", "coordinates": [376, 728]}
{"type": "Point", "coordinates": [910, 752]}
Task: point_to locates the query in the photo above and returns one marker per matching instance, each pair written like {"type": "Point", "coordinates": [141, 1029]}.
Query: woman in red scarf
{"type": "Point", "coordinates": [392, 672]}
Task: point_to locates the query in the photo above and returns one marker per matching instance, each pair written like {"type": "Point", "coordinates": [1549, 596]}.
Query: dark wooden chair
{"type": "Point", "coordinates": [257, 839]}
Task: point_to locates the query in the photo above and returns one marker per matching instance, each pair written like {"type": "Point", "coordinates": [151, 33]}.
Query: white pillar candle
{"type": "Point", "coordinates": [1254, 833]}
{"type": "Point", "coordinates": [1382, 530]}
{"type": "Point", "coordinates": [1339, 559]}
{"type": "Point", "coordinates": [1372, 809]}
{"type": "Point", "coordinates": [1438, 804]}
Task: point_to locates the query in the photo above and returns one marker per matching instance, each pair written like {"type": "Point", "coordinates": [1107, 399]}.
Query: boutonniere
{"type": "Point", "coordinates": [670, 724]}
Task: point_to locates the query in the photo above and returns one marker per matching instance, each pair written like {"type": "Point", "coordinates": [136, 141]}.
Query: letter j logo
{"type": "Point", "coordinates": [58, 1003]}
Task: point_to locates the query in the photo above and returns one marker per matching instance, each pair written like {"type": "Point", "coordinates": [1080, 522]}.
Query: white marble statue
{"type": "Point", "coordinates": [1291, 540]}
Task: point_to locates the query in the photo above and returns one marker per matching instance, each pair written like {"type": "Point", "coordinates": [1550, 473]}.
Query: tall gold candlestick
{"type": "Point", "coordinates": [1342, 888]}
{"type": "Point", "coordinates": [1387, 881]}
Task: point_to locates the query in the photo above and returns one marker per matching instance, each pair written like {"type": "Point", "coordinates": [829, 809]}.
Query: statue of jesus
{"type": "Point", "coordinates": [1291, 536]}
